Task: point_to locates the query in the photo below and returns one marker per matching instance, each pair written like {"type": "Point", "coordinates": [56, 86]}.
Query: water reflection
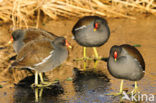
{"type": "Point", "coordinates": [26, 94]}
{"type": "Point", "coordinates": [91, 87]}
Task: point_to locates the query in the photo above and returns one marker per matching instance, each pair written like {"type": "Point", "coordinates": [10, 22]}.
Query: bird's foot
{"type": "Point", "coordinates": [88, 58]}
{"type": "Point", "coordinates": [95, 64]}
{"type": "Point", "coordinates": [44, 84]}
{"type": "Point", "coordinates": [83, 59]}
{"type": "Point", "coordinates": [38, 85]}
{"type": "Point", "coordinates": [49, 83]}
{"type": "Point", "coordinates": [115, 94]}
{"type": "Point", "coordinates": [134, 91]}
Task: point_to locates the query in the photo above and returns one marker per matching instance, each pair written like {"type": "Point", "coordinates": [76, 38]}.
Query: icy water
{"type": "Point", "coordinates": [90, 87]}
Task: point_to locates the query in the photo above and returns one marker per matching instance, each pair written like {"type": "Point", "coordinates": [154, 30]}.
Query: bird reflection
{"type": "Point", "coordinates": [38, 94]}
{"type": "Point", "coordinates": [25, 94]}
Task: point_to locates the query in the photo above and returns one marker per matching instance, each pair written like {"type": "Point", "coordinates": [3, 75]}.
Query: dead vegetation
{"type": "Point", "coordinates": [22, 11]}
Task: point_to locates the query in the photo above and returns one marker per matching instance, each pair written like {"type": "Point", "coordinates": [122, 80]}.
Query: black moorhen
{"type": "Point", "coordinates": [22, 36]}
{"type": "Point", "coordinates": [126, 62]}
{"type": "Point", "coordinates": [42, 55]}
{"type": "Point", "coordinates": [91, 31]}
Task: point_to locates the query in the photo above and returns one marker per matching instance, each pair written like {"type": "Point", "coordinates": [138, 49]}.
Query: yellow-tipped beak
{"type": "Point", "coordinates": [94, 29]}
{"type": "Point", "coordinates": [115, 59]}
{"type": "Point", "coordinates": [10, 41]}
{"type": "Point", "coordinates": [68, 45]}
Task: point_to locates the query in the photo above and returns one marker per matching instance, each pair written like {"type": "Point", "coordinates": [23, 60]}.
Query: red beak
{"type": "Point", "coordinates": [11, 40]}
{"type": "Point", "coordinates": [115, 55]}
{"type": "Point", "coordinates": [68, 45]}
{"type": "Point", "coordinates": [95, 27]}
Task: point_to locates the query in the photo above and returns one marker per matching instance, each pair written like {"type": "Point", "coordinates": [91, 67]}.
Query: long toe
{"type": "Point", "coordinates": [115, 94]}
{"type": "Point", "coordinates": [33, 85]}
{"type": "Point", "coordinates": [40, 85]}
{"type": "Point", "coordinates": [134, 91]}
{"type": "Point", "coordinates": [83, 59]}
{"type": "Point", "coordinates": [49, 83]}
{"type": "Point", "coordinates": [95, 64]}
{"type": "Point", "coordinates": [44, 84]}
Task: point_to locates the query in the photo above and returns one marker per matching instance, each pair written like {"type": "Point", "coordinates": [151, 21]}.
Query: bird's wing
{"type": "Point", "coordinates": [134, 53]}
{"type": "Point", "coordinates": [35, 52]}
{"type": "Point", "coordinates": [33, 33]}
{"type": "Point", "coordinates": [82, 23]}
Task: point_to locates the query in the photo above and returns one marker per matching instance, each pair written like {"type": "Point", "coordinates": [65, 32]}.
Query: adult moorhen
{"type": "Point", "coordinates": [126, 62]}
{"type": "Point", "coordinates": [42, 55]}
{"type": "Point", "coordinates": [91, 31]}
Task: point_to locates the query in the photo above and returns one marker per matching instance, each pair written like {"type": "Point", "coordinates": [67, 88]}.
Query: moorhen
{"type": "Point", "coordinates": [22, 36]}
{"type": "Point", "coordinates": [91, 31]}
{"type": "Point", "coordinates": [126, 62]}
{"type": "Point", "coordinates": [42, 55]}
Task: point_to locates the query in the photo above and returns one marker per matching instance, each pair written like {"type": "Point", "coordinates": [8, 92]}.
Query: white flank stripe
{"type": "Point", "coordinates": [30, 68]}
{"type": "Point", "coordinates": [44, 60]}
{"type": "Point", "coordinates": [84, 26]}
{"type": "Point", "coordinates": [21, 59]}
{"type": "Point", "coordinates": [73, 37]}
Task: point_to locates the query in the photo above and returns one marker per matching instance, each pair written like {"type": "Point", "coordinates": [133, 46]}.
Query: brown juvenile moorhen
{"type": "Point", "coordinates": [126, 62]}
{"type": "Point", "coordinates": [22, 36]}
{"type": "Point", "coordinates": [42, 55]}
{"type": "Point", "coordinates": [91, 31]}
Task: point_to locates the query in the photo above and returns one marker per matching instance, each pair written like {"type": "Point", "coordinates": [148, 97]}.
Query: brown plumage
{"type": "Point", "coordinates": [21, 37]}
{"type": "Point", "coordinates": [32, 33]}
{"type": "Point", "coordinates": [134, 53]}
{"type": "Point", "coordinates": [42, 55]}
{"type": "Point", "coordinates": [85, 21]}
{"type": "Point", "coordinates": [37, 51]}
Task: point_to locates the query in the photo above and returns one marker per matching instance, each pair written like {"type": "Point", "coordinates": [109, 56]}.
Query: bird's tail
{"type": "Point", "coordinates": [104, 59]}
{"type": "Point", "coordinates": [12, 66]}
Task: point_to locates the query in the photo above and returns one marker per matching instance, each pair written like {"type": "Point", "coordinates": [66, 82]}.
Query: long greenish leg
{"type": "Point", "coordinates": [41, 91]}
{"type": "Point", "coordinates": [84, 55]}
{"type": "Point", "coordinates": [135, 88]}
{"type": "Point", "coordinates": [121, 90]}
{"type": "Point", "coordinates": [36, 78]}
{"type": "Point", "coordinates": [43, 82]}
{"type": "Point", "coordinates": [96, 56]}
{"type": "Point", "coordinates": [121, 86]}
{"type": "Point", "coordinates": [41, 77]}
{"type": "Point", "coordinates": [36, 94]}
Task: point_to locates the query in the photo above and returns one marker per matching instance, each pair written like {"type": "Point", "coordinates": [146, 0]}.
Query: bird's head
{"type": "Point", "coordinates": [115, 52]}
{"type": "Point", "coordinates": [16, 35]}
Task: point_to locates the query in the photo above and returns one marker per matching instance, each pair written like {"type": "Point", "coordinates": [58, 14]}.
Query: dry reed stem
{"type": "Point", "coordinates": [20, 12]}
